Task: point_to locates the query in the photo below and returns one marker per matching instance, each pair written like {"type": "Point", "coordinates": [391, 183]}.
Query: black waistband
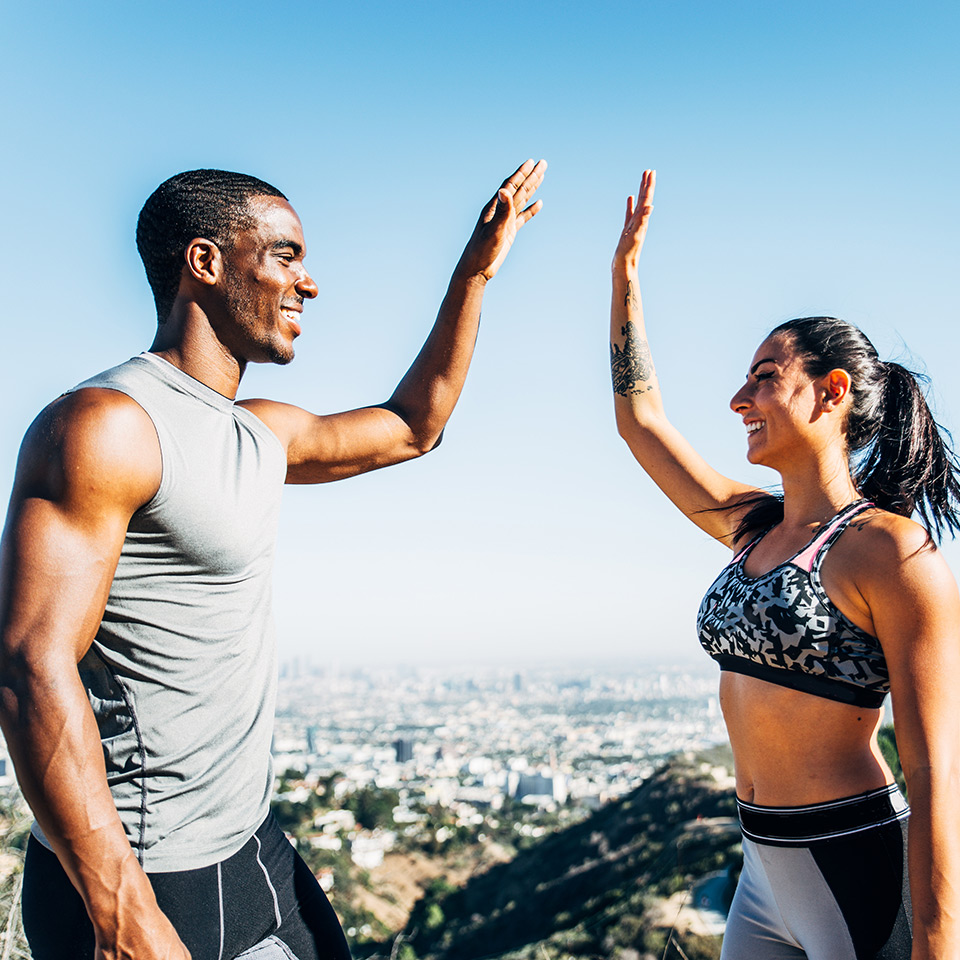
{"type": "Point", "coordinates": [820, 821]}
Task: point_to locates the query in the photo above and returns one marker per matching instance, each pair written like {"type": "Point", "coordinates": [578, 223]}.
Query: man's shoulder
{"type": "Point", "coordinates": [94, 409]}
{"type": "Point", "coordinates": [91, 438]}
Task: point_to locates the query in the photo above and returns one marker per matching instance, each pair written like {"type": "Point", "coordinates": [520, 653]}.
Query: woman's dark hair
{"type": "Point", "coordinates": [900, 457]}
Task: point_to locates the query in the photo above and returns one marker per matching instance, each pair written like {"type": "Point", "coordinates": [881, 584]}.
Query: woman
{"type": "Point", "coordinates": [834, 597]}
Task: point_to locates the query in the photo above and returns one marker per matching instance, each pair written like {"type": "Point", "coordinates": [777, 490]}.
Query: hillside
{"type": "Point", "coordinates": [613, 885]}
{"type": "Point", "coordinates": [597, 887]}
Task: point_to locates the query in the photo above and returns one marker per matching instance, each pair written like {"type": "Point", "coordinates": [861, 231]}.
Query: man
{"type": "Point", "coordinates": [137, 663]}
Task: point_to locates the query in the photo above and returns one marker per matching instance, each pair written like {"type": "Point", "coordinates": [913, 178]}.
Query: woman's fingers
{"type": "Point", "coordinates": [648, 184]}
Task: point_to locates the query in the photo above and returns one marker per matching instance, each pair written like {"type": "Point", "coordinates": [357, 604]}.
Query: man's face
{"type": "Point", "coordinates": [265, 284]}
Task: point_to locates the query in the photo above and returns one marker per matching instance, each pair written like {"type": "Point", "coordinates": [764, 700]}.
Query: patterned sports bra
{"type": "Point", "coordinates": [782, 627]}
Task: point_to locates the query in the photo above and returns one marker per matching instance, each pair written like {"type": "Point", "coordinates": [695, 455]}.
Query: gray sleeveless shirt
{"type": "Point", "coordinates": [182, 673]}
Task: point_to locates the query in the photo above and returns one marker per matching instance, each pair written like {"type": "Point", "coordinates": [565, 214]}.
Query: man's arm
{"type": "Point", "coordinates": [409, 424]}
{"type": "Point", "coordinates": [87, 463]}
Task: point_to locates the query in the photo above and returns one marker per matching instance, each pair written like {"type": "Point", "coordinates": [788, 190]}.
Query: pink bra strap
{"type": "Point", "coordinates": [748, 547]}
{"type": "Point", "coordinates": [808, 556]}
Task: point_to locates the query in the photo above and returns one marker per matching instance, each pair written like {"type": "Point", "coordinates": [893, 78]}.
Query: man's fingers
{"type": "Point", "coordinates": [529, 212]}
{"type": "Point", "coordinates": [530, 184]}
{"type": "Point", "coordinates": [487, 214]}
{"type": "Point", "coordinates": [525, 180]}
{"type": "Point", "coordinates": [514, 193]}
{"type": "Point", "coordinates": [518, 176]}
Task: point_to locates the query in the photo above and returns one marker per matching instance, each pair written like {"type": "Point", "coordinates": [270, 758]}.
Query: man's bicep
{"type": "Point", "coordinates": [331, 447]}
{"type": "Point", "coordinates": [83, 470]}
{"type": "Point", "coordinates": [57, 572]}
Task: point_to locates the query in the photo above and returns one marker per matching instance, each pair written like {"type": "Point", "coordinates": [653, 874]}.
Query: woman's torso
{"type": "Point", "coordinates": [793, 746]}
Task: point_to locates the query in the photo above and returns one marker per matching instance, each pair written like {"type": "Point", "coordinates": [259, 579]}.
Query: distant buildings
{"type": "Point", "coordinates": [467, 741]}
{"type": "Point", "coordinates": [546, 785]}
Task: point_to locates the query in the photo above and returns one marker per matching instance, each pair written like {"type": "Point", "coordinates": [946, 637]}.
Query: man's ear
{"type": "Point", "coordinates": [836, 388]}
{"type": "Point", "coordinates": [204, 261]}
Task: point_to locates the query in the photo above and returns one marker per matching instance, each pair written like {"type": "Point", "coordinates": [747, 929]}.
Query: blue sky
{"type": "Point", "coordinates": [806, 160]}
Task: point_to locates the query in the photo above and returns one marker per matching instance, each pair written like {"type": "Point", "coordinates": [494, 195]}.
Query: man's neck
{"type": "Point", "coordinates": [186, 340]}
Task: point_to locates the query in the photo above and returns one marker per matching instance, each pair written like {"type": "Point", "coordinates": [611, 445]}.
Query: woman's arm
{"type": "Point", "coordinates": [915, 607]}
{"type": "Point", "coordinates": [680, 472]}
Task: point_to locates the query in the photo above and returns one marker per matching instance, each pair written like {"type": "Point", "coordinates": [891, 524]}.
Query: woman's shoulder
{"type": "Point", "coordinates": [885, 545]}
{"type": "Point", "coordinates": [885, 568]}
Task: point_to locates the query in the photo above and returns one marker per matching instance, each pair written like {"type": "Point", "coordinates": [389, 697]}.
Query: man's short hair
{"type": "Point", "coordinates": [213, 204]}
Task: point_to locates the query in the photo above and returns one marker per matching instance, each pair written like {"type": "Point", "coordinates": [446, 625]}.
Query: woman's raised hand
{"type": "Point", "coordinates": [635, 222]}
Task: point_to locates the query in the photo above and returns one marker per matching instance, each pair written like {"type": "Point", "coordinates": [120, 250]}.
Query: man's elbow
{"type": "Point", "coordinates": [427, 442]}
{"type": "Point", "coordinates": [417, 446]}
{"type": "Point", "coordinates": [15, 686]}
{"type": "Point", "coordinates": [25, 673]}
{"type": "Point", "coordinates": [13, 666]}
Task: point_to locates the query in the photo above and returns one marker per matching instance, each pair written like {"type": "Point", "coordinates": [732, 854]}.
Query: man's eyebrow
{"type": "Point", "coordinates": [760, 363]}
{"type": "Point", "coordinates": [292, 244]}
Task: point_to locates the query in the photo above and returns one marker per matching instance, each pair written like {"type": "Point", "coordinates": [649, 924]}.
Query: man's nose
{"type": "Point", "coordinates": [306, 287]}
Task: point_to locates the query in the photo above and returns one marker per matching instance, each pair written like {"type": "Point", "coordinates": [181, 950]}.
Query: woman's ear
{"type": "Point", "coordinates": [835, 389]}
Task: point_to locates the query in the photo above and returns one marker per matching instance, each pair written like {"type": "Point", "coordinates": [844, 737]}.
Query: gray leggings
{"type": "Point", "coordinates": [824, 882]}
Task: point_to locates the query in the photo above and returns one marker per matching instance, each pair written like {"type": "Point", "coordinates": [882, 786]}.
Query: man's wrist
{"type": "Point", "coordinates": [469, 278]}
{"type": "Point", "coordinates": [114, 888]}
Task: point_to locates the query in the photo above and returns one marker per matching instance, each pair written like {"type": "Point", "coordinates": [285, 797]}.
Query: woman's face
{"type": "Point", "coordinates": [781, 406]}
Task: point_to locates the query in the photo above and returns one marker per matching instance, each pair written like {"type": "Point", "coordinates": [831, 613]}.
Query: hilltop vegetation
{"type": "Point", "coordinates": [615, 884]}
{"type": "Point", "coordinates": [591, 890]}
{"type": "Point", "coordinates": [588, 889]}
{"type": "Point", "coordinates": [15, 820]}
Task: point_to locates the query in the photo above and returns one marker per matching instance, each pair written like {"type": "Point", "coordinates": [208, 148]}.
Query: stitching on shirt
{"type": "Point", "coordinates": [141, 749]}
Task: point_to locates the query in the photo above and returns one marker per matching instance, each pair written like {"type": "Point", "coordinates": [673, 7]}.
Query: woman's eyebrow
{"type": "Point", "coordinates": [759, 363]}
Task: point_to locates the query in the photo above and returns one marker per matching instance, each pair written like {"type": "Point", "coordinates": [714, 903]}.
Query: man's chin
{"type": "Point", "coordinates": [281, 356]}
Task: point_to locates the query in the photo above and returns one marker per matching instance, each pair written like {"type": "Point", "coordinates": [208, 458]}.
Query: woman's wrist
{"type": "Point", "coordinates": [624, 267]}
{"type": "Point", "coordinates": [623, 275]}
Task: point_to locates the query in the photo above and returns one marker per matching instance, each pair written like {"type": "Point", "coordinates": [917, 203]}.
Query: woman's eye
{"type": "Point", "coordinates": [763, 376]}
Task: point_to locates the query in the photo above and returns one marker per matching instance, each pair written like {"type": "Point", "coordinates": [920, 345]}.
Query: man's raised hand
{"type": "Point", "coordinates": [500, 220]}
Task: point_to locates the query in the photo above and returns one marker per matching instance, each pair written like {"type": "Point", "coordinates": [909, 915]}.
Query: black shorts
{"type": "Point", "coordinates": [826, 881]}
{"type": "Point", "coordinates": [264, 896]}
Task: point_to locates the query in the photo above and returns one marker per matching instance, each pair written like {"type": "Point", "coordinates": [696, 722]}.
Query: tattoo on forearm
{"type": "Point", "coordinates": [631, 366]}
{"type": "Point", "coordinates": [630, 297]}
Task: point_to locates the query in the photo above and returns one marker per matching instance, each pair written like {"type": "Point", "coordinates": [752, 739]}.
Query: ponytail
{"type": "Point", "coordinates": [909, 466]}
{"type": "Point", "coordinates": [900, 457]}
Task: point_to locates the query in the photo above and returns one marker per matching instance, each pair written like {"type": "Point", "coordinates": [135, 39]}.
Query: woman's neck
{"type": "Point", "coordinates": [815, 494]}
